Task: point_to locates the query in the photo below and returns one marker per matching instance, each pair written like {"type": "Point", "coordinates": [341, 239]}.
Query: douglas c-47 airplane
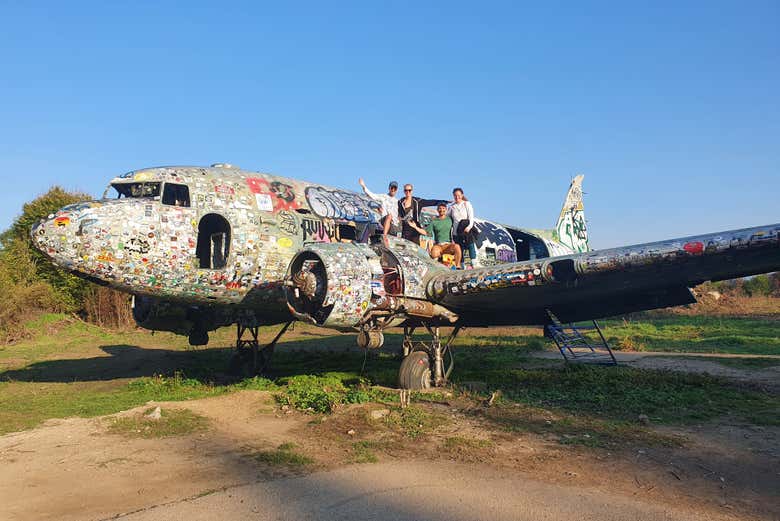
{"type": "Point", "coordinates": [200, 248]}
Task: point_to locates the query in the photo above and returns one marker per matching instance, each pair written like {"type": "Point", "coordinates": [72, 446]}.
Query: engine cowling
{"type": "Point", "coordinates": [331, 284]}
{"type": "Point", "coordinates": [345, 286]}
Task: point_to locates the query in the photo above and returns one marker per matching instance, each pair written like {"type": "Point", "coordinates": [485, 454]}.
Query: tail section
{"type": "Point", "coordinates": [571, 229]}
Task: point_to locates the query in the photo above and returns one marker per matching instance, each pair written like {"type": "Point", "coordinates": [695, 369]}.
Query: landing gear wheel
{"type": "Point", "coordinates": [368, 339]}
{"type": "Point", "coordinates": [415, 371]}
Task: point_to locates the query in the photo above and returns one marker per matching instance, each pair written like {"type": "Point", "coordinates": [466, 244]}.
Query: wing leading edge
{"type": "Point", "coordinates": [603, 283]}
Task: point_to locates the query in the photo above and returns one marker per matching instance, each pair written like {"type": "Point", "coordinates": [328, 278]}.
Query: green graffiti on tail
{"type": "Point", "coordinates": [571, 228]}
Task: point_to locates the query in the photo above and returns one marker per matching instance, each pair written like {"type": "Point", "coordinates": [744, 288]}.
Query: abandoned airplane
{"type": "Point", "coordinates": [201, 248]}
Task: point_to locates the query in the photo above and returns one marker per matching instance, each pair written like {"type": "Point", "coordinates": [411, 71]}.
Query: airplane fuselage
{"type": "Point", "coordinates": [225, 235]}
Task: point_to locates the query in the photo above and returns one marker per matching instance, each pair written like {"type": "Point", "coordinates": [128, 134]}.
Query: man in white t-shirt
{"type": "Point", "coordinates": [389, 205]}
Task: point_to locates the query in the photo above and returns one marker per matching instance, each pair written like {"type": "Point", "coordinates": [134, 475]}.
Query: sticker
{"type": "Point", "coordinates": [264, 202]}
{"type": "Point", "coordinates": [694, 247]}
{"type": "Point", "coordinates": [284, 242]}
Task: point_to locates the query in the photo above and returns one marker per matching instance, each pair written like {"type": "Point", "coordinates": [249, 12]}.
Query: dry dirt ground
{"type": "Point", "coordinates": [75, 469]}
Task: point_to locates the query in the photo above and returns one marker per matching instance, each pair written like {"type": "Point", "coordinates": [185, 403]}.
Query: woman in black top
{"type": "Point", "coordinates": [409, 214]}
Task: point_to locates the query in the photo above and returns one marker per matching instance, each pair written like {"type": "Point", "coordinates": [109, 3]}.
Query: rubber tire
{"type": "Point", "coordinates": [415, 371]}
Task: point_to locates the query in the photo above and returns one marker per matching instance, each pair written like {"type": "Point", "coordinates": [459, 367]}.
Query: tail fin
{"type": "Point", "coordinates": [571, 229]}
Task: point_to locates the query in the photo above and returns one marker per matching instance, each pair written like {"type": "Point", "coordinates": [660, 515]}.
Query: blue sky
{"type": "Point", "coordinates": [670, 109]}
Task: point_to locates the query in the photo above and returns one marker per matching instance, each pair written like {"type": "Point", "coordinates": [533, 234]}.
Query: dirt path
{"type": "Point", "coordinates": [415, 490]}
{"type": "Point", "coordinates": [74, 470]}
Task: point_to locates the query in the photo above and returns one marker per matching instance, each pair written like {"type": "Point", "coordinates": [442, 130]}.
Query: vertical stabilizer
{"type": "Point", "coordinates": [571, 229]}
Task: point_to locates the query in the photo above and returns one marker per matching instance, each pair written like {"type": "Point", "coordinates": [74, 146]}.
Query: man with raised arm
{"type": "Point", "coordinates": [389, 220]}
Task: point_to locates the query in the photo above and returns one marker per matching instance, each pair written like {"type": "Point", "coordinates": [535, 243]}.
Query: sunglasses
{"type": "Point", "coordinates": [407, 189]}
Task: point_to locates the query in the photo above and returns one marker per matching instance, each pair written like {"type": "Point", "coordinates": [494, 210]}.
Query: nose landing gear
{"type": "Point", "coordinates": [423, 363]}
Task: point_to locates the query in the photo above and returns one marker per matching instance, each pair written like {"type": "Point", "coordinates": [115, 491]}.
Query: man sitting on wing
{"type": "Point", "coordinates": [389, 206]}
{"type": "Point", "coordinates": [440, 231]}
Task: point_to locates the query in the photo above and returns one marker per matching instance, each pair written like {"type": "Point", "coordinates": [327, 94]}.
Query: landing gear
{"type": "Point", "coordinates": [423, 363]}
{"type": "Point", "coordinates": [249, 359]}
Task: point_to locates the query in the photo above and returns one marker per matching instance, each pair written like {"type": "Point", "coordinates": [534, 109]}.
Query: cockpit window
{"type": "Point", "coordinates": [176, 195]}
{"type": "Point", "coordinates": [137, 190]}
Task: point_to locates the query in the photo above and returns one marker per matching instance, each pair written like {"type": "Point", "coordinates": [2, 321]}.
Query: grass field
{"type": "Point", "coordinates": [695, 334]}
{"type": "Point", "coordinates": [73, 369]}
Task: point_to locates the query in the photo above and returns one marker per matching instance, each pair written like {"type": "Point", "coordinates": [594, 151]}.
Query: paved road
{"type": "Point", "coordinates": [413, 491]}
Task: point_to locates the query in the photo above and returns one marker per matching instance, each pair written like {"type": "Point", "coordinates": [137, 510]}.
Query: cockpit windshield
{"type": "Point", "coordinates": [134, 190]}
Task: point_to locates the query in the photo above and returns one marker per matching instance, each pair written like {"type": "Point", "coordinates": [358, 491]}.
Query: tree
{"type": "Point", "coordinates": [759, 285]}
{"type": "Point", "coordinates": [69, 290]}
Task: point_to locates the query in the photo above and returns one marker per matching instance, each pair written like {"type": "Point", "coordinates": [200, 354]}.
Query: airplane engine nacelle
{"type": "Point", "coordinates": [330, 284]}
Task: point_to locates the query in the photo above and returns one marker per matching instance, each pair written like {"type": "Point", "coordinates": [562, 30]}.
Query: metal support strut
{"type": "Point", "coordinates": [249, 357]}
{"type": "Point", "coordinates": [436, 349]}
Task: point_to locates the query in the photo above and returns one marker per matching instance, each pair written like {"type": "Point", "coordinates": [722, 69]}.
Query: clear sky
{"type": "Point", "coordinates": [670, 109]}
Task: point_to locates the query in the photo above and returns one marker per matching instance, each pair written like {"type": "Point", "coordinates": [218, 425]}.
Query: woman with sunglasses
{"type": "Point", "coordinates": [409, 214]}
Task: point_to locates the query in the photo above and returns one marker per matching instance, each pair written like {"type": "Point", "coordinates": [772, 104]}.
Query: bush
{"type": "Point", "coordinates": [321, 393]}
{"type": "Point", "coordinates": [69, 289]}
{"type": "Point", "coordinates": [30, 284]}
{"type": "Point", "coordinates": [758, 286]}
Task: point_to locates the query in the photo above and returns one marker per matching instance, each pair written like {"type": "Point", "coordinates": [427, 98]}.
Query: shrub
{"type": "Point", "coordinates": [757, 286]}
{"type": "Point", "coordinates": [322, 393]}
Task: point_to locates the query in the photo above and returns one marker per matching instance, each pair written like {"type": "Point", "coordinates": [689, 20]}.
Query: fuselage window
{"type": "Point", "coordinates": [213, 242]}
{"type": "Point", "coordinates": [137, 190]}
{"type": "Point", "coordinates": [176, 195]}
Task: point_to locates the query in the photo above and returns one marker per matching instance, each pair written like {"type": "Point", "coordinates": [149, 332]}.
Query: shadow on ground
{"type": "Point", "coordinates": [303, 356]}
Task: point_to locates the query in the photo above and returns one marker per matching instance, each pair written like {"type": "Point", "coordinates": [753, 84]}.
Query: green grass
{"type": "Point", "coordinates": [74, 369]}
{"type": "Point", "coordinates": [623, 393]}
{"type": "Point", "coordinates": [459, 443]}
{"type": "Point", "coordinates": [172, 422]}
{"type": "Point", "coordinates": [413, 421]}
{"type": "Point", "coordinates": [363, 451]}
{"type": "Point", "coordinates": [284, 455]}
{"type": "Point", "coordinates": [575, 428]}
{"type": "Point", "coordinates": [696, 334]}
{"type": "Point", "coordinates": [24, 405]}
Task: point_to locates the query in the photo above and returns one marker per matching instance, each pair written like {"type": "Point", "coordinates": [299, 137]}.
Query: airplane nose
{"type": "Point", "coordinates": [55, 237]}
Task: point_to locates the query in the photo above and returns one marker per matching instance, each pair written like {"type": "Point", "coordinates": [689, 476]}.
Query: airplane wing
{"type": "Point", "coordinates": [603, 283]}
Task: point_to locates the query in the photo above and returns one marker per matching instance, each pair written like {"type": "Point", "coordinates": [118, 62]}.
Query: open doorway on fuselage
{"type": "Point", "coordinates": [213, 242]}
{"type": "Point", "coordinates": [527, 246]}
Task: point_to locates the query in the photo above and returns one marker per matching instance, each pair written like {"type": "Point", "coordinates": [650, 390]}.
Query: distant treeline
{"type": "Point", "coordinates": [759, 286]}
{"type": "Point", "coordinates": [31, 284]}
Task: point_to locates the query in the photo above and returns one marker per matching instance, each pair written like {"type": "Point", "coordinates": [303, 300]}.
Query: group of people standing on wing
{"type": "Point", "coordinates": [451, 232]}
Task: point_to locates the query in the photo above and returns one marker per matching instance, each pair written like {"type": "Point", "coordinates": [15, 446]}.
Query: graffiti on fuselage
{"type": "Point", "coordinates": [288, 223]}
{"type": "Point", "coordinates": [137, 245]}
{"type": "Point", "coordinates": [317, 230]}
{"type": "Point", "coordinates": [496, 238]}
{"type": "Point", "coordinates": [272, 196]}
{"type": "Point", "coordinates": [340, 204]}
